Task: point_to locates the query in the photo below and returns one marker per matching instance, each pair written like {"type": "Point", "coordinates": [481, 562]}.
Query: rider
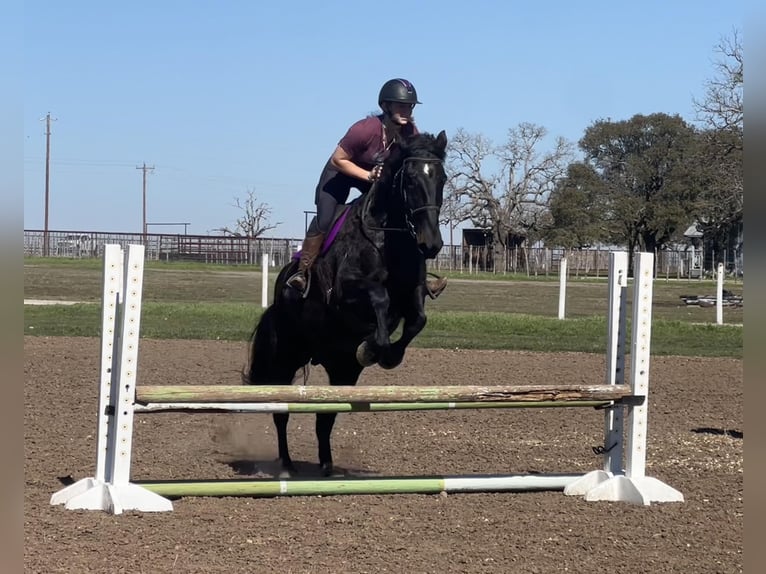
{"type": "Point", "coordinates": [356, 162]}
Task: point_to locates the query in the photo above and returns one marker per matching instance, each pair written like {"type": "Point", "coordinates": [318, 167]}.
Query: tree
{"type": "Point", "coordinates": [454, 211]}
{"type": "Point", "coordinates": [721, 203]}
{"type": "Point", "coordinates": [578, 209]}
{"type": "Point", "coordinates": [254, 220]}
{"type": "Point", "coordinates": [722, 107]}
{"type": "Point", "coordinates": [648, 164]}
{"type": "Point", "coordinates": [510, 196]}
{"type": "Point", "coordinates": [720, 213]}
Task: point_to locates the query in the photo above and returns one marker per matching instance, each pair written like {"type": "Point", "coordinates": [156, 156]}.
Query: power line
{"type": "Point", "coordinates": [79, 162]}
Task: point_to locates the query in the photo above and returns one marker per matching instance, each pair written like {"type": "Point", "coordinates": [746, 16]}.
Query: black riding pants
{"type": "Point", "coordinates": [332, 190]}
{"type": "Point", "coordinates": [326, 204]}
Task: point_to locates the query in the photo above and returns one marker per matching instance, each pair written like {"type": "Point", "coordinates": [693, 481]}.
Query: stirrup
{"type": "Point", "coordinates": [306, 279]}
{"type": "Point", "coordinates": [438, 291]}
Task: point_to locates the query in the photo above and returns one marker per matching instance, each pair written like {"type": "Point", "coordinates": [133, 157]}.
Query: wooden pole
{"type": "Point", "coordinates": [46, 233]}
{"type": "Point", "coordinates": [375, 394]}
{"type": "Point", "coordinates": [351, 407]}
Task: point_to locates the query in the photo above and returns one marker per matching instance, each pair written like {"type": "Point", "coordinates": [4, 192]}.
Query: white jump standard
{"type": "Point", "coordinates": [611, 483]}
{"type": "Point", "coordinates": [111, 489]}
{"type": "Point", "coordinates": [120, 399]}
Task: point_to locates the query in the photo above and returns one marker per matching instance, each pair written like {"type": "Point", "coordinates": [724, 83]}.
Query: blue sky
{"type": "Point", "coordinates": [226, 97]}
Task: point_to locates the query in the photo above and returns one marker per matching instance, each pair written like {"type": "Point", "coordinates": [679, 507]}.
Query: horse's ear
{"type": "Point", "coordinates": [441, 140]}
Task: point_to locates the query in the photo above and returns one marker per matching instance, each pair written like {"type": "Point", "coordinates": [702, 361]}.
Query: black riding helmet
{"type": "Point", "coordinates": [398, 90]}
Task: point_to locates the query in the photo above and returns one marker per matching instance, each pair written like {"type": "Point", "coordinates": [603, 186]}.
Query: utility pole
{"type": "Point", "coordinates": [144, 168]}
{"type": "Point", "coordinates": [46, 235]}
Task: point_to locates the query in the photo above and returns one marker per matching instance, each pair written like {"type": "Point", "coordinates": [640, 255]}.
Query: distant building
{"type": "Point", "coordinates": [706, 253]}
{"type": "Point", "coordinates": [478, 247]}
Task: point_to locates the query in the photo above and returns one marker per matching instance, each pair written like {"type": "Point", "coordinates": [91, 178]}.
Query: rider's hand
{"type": "Point", "coordinates": [375, 173]}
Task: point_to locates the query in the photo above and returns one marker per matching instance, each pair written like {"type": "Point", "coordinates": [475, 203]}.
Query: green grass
{"type": "Point", "coordinates": [204, 301]}
{"type": "Point", "coordinates": [448, 329]}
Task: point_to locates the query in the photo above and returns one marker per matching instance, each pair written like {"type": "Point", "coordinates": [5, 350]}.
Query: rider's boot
{"type": "Point", "coordinates": [309, 252]}
{"type": "Point", "coordinates": [435, 285]}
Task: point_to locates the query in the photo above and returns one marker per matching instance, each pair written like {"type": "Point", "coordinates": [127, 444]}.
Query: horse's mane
{"type": "Point", "coordinates": [423, 142]}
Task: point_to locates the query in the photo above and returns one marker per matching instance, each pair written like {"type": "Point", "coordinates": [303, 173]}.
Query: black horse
{"type": "Point", "coordinates": [370, 279]}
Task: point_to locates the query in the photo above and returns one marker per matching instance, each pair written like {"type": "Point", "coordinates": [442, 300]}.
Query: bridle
{"type": "Point", "coordinates": [409, 213]}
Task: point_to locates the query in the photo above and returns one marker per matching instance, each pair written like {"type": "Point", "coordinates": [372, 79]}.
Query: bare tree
{"type": "Point", "coordinates": [454, 211]}
{"type": "Point", "coordinates": [722, 113]}
{"type": "Point", "coordinates": [254, 220]}
{"type": "Point", "coordinates": [532, 175]}
{"type": "Point", "coordinates": [505, 189]}
{"type": "Point", "coordinates": [722, 107]}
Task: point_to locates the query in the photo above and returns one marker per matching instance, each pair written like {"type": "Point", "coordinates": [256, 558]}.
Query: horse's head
{"type": "Point", "coordinates": [415, 174]}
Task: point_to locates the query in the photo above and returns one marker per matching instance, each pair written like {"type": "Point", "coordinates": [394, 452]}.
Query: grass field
{"type": "Point", "coordinates": [195, 301]}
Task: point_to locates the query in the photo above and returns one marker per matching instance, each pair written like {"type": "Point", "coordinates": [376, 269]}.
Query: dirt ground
{"type": "Point", "coordinates": [695, 445]}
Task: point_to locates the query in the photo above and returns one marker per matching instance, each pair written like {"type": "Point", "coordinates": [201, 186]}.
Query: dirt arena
{"type": "Point", "coordinates": [695, 445]}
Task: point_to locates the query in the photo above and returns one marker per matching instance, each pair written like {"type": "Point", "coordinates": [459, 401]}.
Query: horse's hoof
{"type": "Point", "coordinates": [364, 355]}
{"type": "Point", "coordinates": [389, 365]}
{"type": "Point", "coordinates": [326, 469]}
{"type": "Point", "coordinates": [288, 470]}
{"type": "Point", "coordinates": [391, 357]}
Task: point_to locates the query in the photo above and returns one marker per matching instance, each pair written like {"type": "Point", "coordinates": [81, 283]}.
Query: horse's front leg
{"type": "Point", "coordinates": [370, 349]}
{"type": "Point", "coordinates": [280, 422]}
{"type": "Point", "coordinates": [342, 369]}
{"type": "Point", "coordinates": [414, 321]}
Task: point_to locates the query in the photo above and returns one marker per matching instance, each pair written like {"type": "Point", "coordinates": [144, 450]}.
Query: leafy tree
{"type": "Point", "coordinates": [648, 166]}
{"type": "Point", "coordinates": [577, 209]}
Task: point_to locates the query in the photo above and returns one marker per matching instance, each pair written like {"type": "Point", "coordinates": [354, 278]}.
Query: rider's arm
{"type": "Point", "coordinates": [343, 163]}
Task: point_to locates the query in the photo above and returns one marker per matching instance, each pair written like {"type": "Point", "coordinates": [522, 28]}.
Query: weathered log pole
{"type": "Point", "coordinates": [377, 394]}
{"type": "Point", "coordinates": [352, 407]}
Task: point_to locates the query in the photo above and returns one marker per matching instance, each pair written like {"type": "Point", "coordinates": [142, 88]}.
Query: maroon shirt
{"type": "Point", "coordinates": [363, 143]}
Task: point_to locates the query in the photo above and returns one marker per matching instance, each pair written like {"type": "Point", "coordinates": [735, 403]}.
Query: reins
{"type": "Point", "coordinates": [408, 212]}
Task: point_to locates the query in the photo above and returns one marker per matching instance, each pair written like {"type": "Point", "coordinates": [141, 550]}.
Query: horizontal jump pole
{"type": "Point", "coordinates": [337, 486]}
{"type": "Point", "coordinates": [351, 407]}
{"type": "Point", "coordinates": [374, 394]}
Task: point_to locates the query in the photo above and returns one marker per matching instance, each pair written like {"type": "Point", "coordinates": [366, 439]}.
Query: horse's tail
{"type": "Point", "coordinates": [263, 344]}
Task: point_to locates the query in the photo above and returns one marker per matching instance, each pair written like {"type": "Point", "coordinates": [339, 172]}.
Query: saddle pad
{"type": "Point", "coordinates": [332, 234]}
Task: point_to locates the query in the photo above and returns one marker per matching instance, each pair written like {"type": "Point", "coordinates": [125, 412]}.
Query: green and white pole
{"type": "Point", "coordinates": [345, 486]}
